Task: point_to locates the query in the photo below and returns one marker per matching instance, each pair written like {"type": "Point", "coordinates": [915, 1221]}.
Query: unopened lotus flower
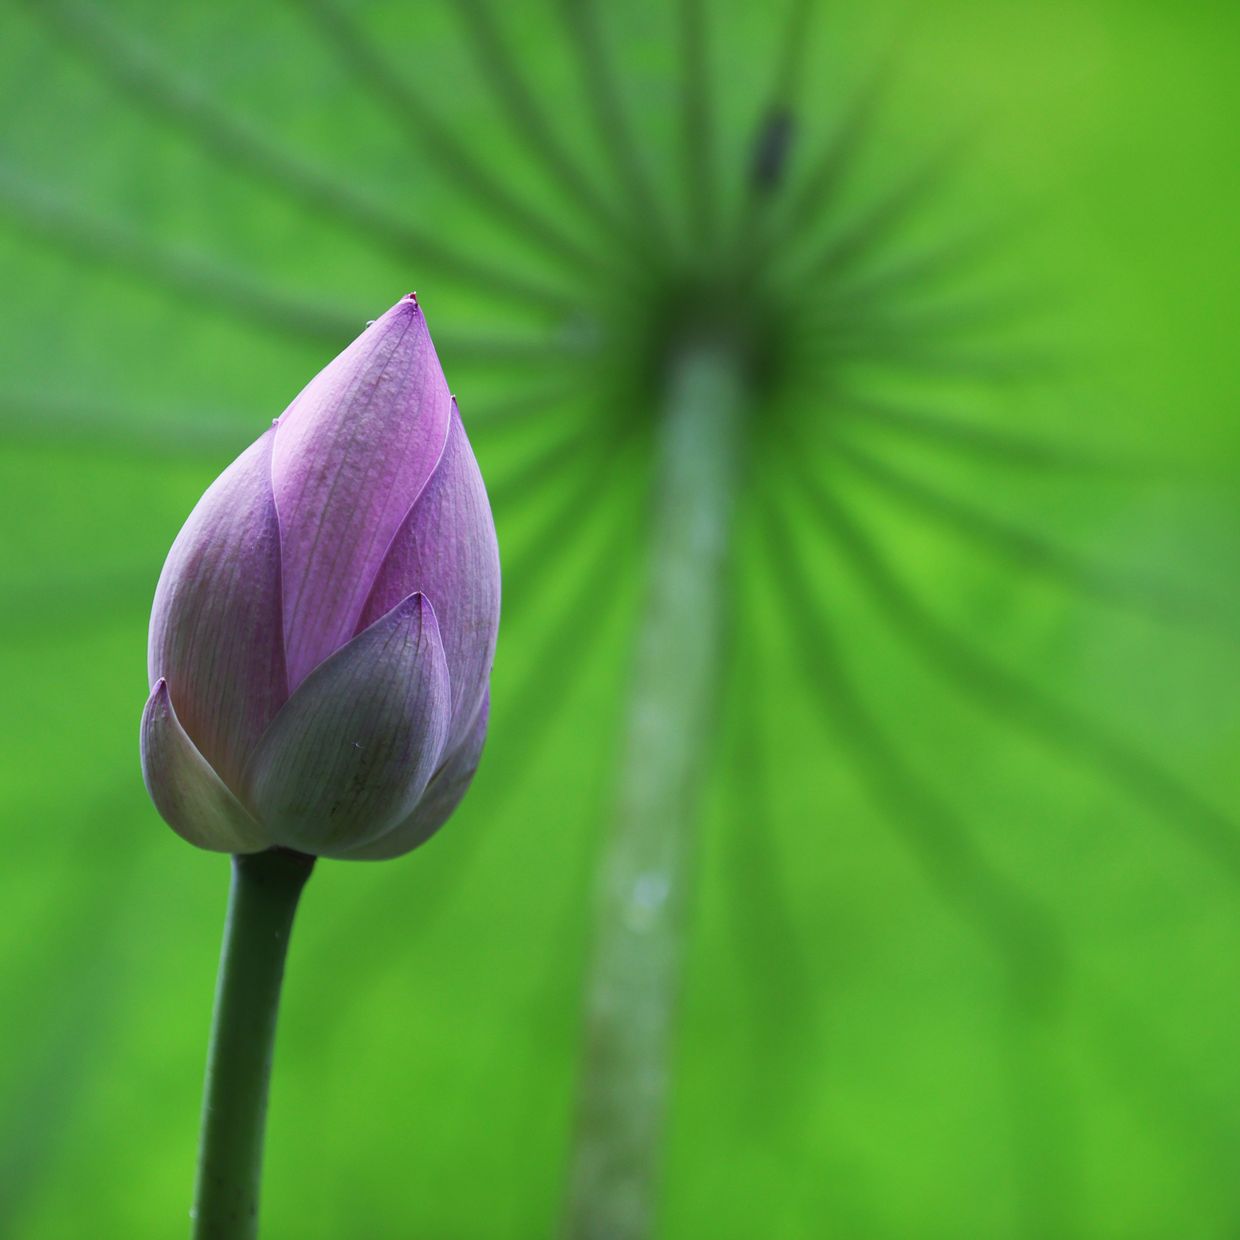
{"type": "Point", "coordinates": [323, 629]}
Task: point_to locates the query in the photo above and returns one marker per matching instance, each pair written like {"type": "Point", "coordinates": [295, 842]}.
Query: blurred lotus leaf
{"type": "Point", "coordinates": [962, 952]}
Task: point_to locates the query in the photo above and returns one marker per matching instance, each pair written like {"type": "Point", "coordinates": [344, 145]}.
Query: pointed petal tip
{"type": "Point", "coordinates": [158, 706]}
{"type": "Point", "coordinates": [414, 609]}
{"type": "Point", "coordinates": [408, 307]}
{"type": "Point", "coordinates": [400, 316]}
{"type": "Point", "coordinates": [412, 606]}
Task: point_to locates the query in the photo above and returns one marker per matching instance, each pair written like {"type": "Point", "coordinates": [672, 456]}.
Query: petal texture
{"type": "Point", "coordinates": [352, 454]}
{"type": "Point", "coordinates": [443, 794]}
{"type": "Point", "coordinates": [446, 548]}
{"type": "Point", "coordinates": [354, 747]}
{"type": "Point", "coordinates": [216, 632]}
{"type": "Point", "coordinates": [190, 796]}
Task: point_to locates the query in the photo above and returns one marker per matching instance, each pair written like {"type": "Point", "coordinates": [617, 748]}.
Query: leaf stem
{"type": "Point", "coordinates": [647, 862]}
{"type": "Point", "coordinates": [261, 903]}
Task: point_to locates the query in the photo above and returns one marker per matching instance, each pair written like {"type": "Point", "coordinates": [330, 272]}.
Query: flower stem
{"type": "Point", "coordinates": [261, 903]}
{"type": "Point", "coordinates": [647, 864]}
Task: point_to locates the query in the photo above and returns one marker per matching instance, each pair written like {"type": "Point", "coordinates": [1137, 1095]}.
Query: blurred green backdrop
{"type": "Point", "coordinates": [963, 958]}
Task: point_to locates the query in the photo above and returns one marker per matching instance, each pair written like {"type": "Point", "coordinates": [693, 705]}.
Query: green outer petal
{"type": "Point", "coordinates": [190, 796]}
{"type": "Point", "coordinates": [353, 749]}
{"type": "Point", "coordinates": [443, 794]}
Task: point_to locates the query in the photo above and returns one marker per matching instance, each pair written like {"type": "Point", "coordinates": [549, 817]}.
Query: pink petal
{"type": "Point", "coordinates": [352, 454]}
{"type": "Point", "coordinates": [354, 747]}
{"type": "Point", "coordinates": [446, 548]}
{"type": "Point", "coordinates": [216, 633]}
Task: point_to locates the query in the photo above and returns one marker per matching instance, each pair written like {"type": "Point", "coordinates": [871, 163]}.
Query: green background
{"type": "Point", "coordinates": [1034, 1035]}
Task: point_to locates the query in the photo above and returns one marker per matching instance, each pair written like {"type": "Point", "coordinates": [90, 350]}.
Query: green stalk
{"type": "Point", "coordinates": [261, 903]}
{"type": "Point", "coordinates": [647, 864]}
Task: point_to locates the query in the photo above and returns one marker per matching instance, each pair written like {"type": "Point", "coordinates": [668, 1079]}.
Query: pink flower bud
{"type": "Point", "coordinates": [323, 629]}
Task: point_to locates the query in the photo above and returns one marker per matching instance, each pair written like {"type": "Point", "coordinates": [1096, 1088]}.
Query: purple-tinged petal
{"type": "Point", "coordinates": [352, 454]}
{"type": "Point", "coordinates": [216, 630]}
{"type": "Point", "coordinates": [443, 794]}
{"type": "Point", "coordinates": [354, 747]}
{"type": "Point", "coordinates": [190, 796]}
{"type": "Point", "coordinates": [446, 548]}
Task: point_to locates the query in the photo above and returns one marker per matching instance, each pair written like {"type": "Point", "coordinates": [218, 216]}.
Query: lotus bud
{"type": "Point", "coordinates": [323, 629]}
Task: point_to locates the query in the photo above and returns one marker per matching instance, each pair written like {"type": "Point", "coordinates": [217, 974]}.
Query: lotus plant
{"type": "Point", "coordinates": [320, 650]}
